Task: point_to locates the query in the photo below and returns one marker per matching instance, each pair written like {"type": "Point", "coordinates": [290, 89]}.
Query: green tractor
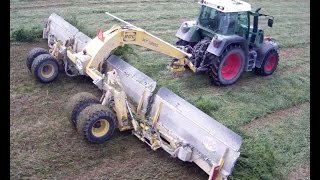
{"type": "Point", "coordinates": [225, 41]}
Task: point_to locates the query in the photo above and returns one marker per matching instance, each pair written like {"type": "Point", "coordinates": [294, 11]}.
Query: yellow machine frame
{"type": "Point", "coordinates": [99, 48]}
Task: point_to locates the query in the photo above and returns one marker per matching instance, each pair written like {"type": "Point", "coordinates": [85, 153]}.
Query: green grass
{"type": "Point", "coordinates": [257, 161]}
{"type": "Point", "coordinates": [43, 145]}
{"type": "Point", "coordinates": [27, 35]}
{"type": "Point", "coordinates": [289, 139]}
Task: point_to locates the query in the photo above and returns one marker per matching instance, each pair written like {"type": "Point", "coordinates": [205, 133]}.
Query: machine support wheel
{"type": "Point", "coordinates": [227, 68]}
{"type": "Point", "coordinates": [45, 68]}
{"type": "Point", "coordinates": [77, 103]}
{"type": "Point", "coordinates": [96, 123]}
{"type": "Point", "coordinates": [35, 52]}
{"type": "Point", "coordinates": [269, 64]}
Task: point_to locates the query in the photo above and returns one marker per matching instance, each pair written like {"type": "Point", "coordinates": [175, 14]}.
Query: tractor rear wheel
{"type": "Point", "coordinates": [35, 52]}
{"type": "Point", "coordinates": [269, 64]}
{"type": "Point", "coordinates": [45, 68]}
{"type": "Point", "coordinates": [96, 123]}
{"type": "Point", "coordinates": [227, 68]}
{"type": "Point", "coordinates": [77, 103]}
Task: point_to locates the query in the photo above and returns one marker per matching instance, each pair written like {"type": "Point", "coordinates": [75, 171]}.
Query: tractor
{"type": "Point", "coordinates": [225, 41]}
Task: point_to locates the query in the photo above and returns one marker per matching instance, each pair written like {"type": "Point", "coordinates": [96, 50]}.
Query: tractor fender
{"type": "Point", "coordinates": [188, 31]}
{"type": "Point", "coordinates": [225, 41]}
{"type": "Point", "coordinates": [263, 49]}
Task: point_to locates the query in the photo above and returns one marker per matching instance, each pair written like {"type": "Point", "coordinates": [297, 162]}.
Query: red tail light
{"type": "Point", "coordinates": [215, 173]}
{"type": "Point", "coordinates": [215, 43]}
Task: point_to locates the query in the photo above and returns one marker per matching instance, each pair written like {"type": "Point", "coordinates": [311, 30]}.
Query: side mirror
{"type": "Point", "coordinates": [270, 22]}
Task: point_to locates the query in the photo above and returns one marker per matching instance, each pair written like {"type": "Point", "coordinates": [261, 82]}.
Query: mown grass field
{"type": "Point", "coordinates": [270, 113]}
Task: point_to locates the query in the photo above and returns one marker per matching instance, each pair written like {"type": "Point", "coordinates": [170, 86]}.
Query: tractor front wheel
{"type": "Point", "coordinates": [96, 123]}
{"type": "Point", "coordinates": [269, 64]}
{"type": "Point", "coordinates": [35, 52]}
{"type": "Point", "coordinates": [45, 68]}
{"type": "Point", "coordinates": [227, 68]}
{"type": "Point", "coordinates": [77, 103]}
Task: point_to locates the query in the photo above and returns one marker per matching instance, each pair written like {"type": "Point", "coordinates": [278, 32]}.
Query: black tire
{"type": "Point", "coordinates": [269, 64]}
{"type": "Point", "coordinates": [96, 123]}
{"type": "Point", "coordinates": [77, 103]}
{"type": "Point", "coordinates": [45, 68]}
{"type": "Point", "coordinates": [217, 73]}
{"type": "Point", "coordinates": [199, 52]}
{"type": "Point", "coordinates": [35, 52]}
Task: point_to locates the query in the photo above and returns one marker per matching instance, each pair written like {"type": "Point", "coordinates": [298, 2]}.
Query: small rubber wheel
{"type": "Point", "coordinates": [45, 68]}
{"type": "Point", "coordinates": [96, 123]}
{"type": "Point", "coordinates": [35, 52]}
{"type": "Point", "coordinates": [227, 68]}
{"type": "Point", "coordinates": [77, 103]}
{"type": "Point", "coordinates": [269, 64]}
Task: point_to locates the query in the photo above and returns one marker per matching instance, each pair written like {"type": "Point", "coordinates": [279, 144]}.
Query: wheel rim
{"type": "Point", "coordinates": [231, 66]}
{"type": "Point", "coordinates": [47, 70]}
{"type": "Point", "coordinates": [270, 64]}
{"type": "Point", "coordinates": [100, 128]}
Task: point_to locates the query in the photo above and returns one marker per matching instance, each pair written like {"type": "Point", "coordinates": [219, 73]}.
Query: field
{"type": "Point", "coordinates": [272, 114]}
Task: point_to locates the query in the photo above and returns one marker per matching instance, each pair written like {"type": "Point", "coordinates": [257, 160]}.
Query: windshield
{"type": "Point", "coordinates": [209, 18]}
{"type": "Point", "coordinates": [217, 21]}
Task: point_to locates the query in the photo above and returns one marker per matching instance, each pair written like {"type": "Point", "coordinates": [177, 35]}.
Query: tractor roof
{"type": "Point", "coordinates": [227, 5]}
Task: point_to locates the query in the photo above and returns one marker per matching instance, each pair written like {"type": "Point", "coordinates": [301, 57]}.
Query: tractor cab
{"type": "Point", "coordinates": [215, 21]}
{"type": "Point", "coordinates": [220, 17]}
{"type": "Point", "coordinates": [230, 17]}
